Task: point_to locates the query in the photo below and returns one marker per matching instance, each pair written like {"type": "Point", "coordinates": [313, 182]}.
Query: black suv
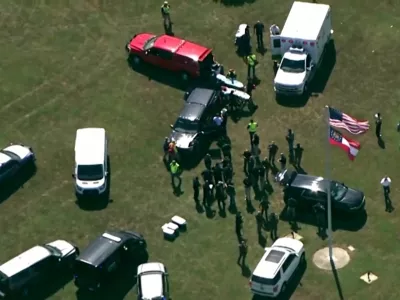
{"type": "Point", "coordinates": [309, 190]}
{"type": "Point", "coordinates": [195, 121]}
{"type": "Point", "coordinates": [106, 256]}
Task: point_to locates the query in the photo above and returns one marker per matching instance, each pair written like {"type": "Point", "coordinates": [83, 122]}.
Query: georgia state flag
{"type": "Point", "coordinates": [350, 146]}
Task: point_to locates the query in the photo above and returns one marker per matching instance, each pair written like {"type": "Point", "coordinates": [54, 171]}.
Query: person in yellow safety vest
{"type": "Point", "coordinates": [175, 173]}
{"type": "Point", "coordinates": [251, 65]}
{"type": "Point", "coordinates": [252, 128]}
{"type": "Point", "coordinates": [231, 75]}
{"type": "Point", "coordinates": [165, 12]}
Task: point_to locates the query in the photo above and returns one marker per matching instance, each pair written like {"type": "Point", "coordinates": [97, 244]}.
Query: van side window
{"type": "Point", "coordinates": [287, 263]}
{"type": "Point", "coordinates": [20, 278]}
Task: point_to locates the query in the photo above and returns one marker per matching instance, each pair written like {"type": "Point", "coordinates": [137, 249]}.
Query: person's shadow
{"type": "Point", "coordinates": [388, 204]}
{"type": "Point", "coordinates": [246, 272]}
{"type": "Point", "coordinates": [381, 143]}
{"type": "Point", "coordinates": [262, 241]}
{"type": "Point", "coordinates": [250, 208]}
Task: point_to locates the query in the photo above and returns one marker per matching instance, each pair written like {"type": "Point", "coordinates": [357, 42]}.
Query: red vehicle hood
{"type": "Point", "coordinates": [139, 40]}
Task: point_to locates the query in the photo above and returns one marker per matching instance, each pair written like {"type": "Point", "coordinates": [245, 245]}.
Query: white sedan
{"type": "Point", "coordinates": [152, 281]}
{"type": "Point", "coordinates": [13, 158]}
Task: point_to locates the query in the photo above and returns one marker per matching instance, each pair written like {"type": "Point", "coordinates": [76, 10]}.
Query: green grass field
{"type": "Point", "coordinates": [63, 67]}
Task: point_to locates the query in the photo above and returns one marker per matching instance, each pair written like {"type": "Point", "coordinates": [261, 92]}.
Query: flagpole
{"type": "Point", "coordinates": [327, 177]}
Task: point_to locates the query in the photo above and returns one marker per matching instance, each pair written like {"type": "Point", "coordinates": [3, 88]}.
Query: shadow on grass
{"type": "Point", "coordinates": [292, 285]}
{"type": "Point", "coordinates": [115, 289]}
{"type": "Point", "coordinates": [94, 203]}
{"type": "Point", "coordinates": [340, 221]}
{"type": "Point", "coordinates": [51, 286]}
{"type": "Point", "coordinates": [317, 86]}
{"type": "Point", "coordinates": [7, 189]}
{"type": "Point", "coordinates": [159, 75]}
{"type": "Point", "coordinates": [235, 2]}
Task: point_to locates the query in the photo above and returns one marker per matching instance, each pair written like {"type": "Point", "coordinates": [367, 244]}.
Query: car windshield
{"type": "Point", "coordinates": [149, 43]}
{"type": "Point", "coordinates": [293, 66]}
{"type": "Point", "coordinates": [90, 172]}
{"type": "Point", "coordinates": [185, 125]}
{"type": "Point", "coordinates": [338, 191]}
{"type": "Point", "coordinates": [53, 250]}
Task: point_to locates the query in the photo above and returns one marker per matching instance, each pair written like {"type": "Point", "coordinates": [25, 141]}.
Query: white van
{"type": "Point", "coordinates": [91, 167]}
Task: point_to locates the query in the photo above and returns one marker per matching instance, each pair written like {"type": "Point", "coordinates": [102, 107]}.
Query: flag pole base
{"type": "Point", "coordinates": [340, 258]}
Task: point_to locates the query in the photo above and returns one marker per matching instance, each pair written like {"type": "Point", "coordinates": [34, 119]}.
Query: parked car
{"type": "Point", "coordinates": [107, 255]}
{"type": "Point", "coordinates": [189, 59]}
{"type": "Point", "coordinates": [14, 159]}
{"type": "Point", "coordinates": [152, 281]}
{"type": "Point", "coordinates": [20, 275]}
{"type": "Point", "coordinates": [91, 162]}
{"type": "Point", "coordinates": [195, 122]}
{"type": "Point", "coordinates": [277, 266]}
{"type": "Point", "coordinates": [309, 190]}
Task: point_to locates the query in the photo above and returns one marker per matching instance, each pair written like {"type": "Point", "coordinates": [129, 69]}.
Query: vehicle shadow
{"type": "Point", "coordinates": [7, 189]}
{"type": "Point", "coordinates": [292, 102]}
{"type": "Point", "coordinates": [191, 161]}
{"type": "Point", "coordinates": [159, 75]}
{"type": "Point", "coordinates": [97, 203]}
{"type": "Point", "coordinates": [339, 221]}
{"type": "Point", "coordinates": [51, 286]}
{"type": "Point", "coordinates": [235, 2]}
{"type": "Point", "coordinates": [291, 287]}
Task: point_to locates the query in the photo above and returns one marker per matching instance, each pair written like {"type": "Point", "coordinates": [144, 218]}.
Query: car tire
{"type": "Point", "coordinates": [185, 76]}
{"type": "Point", "coordinates": [135, 60]}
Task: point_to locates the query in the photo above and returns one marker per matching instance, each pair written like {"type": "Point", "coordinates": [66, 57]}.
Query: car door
{"type": "Point", "coordinates": [153, 57]}
{"type": "Point", "coordinates": [289, 266]}
{"type": "Point", "coordinates": [310, 198]}
{"type": "Point", "coordinates": [9, 169]}
{"type": "Point", "coordinates": [166, 60]}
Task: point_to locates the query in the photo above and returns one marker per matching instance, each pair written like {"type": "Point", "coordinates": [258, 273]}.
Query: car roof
{"type": "Point", "coordinates": [270, 263]}
{"type": "Point", "coordinates": [90, 146]}
{"type": "Point", "coordinates": [201, 96]}
{"type": "Point", "coordinates": [192, 111]}
{"type": "Point", "coordinates": [181, 47]}
{"type": "Point", "coordinates": [102, 247]}
{"type": "Point", "coordinates": [24, 260]}
{"type": "Point", "coordinates": [314, 183]}
{"type": "Point", "coordinates": [151, 285]}
{"type": "Point", "coordinates": [151, 267]}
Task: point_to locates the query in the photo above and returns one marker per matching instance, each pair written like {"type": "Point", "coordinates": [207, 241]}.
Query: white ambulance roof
{"type": "Point", "coordinates": [305, 20]}
{"type": "Point", "coordinates": [90, 146]}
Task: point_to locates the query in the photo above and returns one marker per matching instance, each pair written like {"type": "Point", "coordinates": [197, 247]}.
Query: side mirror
{"type": "Point", "coordinates": [106, 174]}
{"type": "Point", "coordinates": [73, 175]}
{"type": "Point", "coordinates": [172, 126]}
{"type": "Point", "coordinates": [202, 132]}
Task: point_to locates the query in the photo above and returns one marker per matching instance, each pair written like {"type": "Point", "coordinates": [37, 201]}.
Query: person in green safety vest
{"type": "Point", "coordinates": [251, 65]}
{"type": "Point", "coordinates": [252, 129]}
{"type": "Point", "coordinates": [165, 12]}
{"type": "Point", "coordinates": [175, 173]}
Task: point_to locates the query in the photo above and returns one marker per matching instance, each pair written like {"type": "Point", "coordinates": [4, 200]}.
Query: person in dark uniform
{"type": "Point", "coordinates": [208, 161]}
{"type": "Point", "coordinates": [228, 172]}
{"type": "Point", "coordinates": [207, 194]}
{"type": "Point", "coordinates": [261, 178]}
{"type": "Point", "coordinates": [260, 222]}
{"type": "Point", "coordinates": [196, 190]}
{"type": "Point", "coordinates": [165, 149]}
{"type": "Point", "coordinates": [231, 192]}
{"type": "Point", "coordinates": [218, 173]}
{"type": "Point", "coordinates": [320, 215]}
{"type": "Point", "coordinates": [259, 31]}
{"type": "Point", "coordinates": [266, 164]}
{"type": "Point", "coordinates": [207, 175]}
{"type": "Point", "coordinates": [239, 226]}
{"type": "Point", "coordinates": [291, 212]}
{"type": "Point", "coordinates": [298, 154]}
{"type": "Point", "coordinates": [378, 125]}
{"type": "Point", "coordinates": [272, 150]}
{"type": "Point", "coordinates": [226, 149]}
{"type": "Point", "coordinates": [246, 159]}
{"type": "Point", "coordinates": [282, 160]}
{"type": "Point", "coordinates": [250, 86]}
{"type": "Point", "coordinates": [264, 206]}
{"type": "Point", "coordinates": [273, 221]}
{"type": "Point", "coordinates": [242, 253]}
{"type": "Point", "coordinates": [247, 190]}
{"type": "Point", "coordinates": [220, 195]}
{"type": "Point", "coordinates": [255, 145]}
{"type": "Point", "coordinates": [290, 140]}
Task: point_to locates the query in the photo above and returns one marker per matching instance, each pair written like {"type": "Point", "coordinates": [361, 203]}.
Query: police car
{"type": "Point", "coordinates": [13, 159]}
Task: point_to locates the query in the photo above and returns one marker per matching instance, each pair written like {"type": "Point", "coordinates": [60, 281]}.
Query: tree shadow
{"type": "Point", "coordinates": [96, 203]}
{"type": "Point", "coordinates": [337, 281]}
{"type": "Point", "coordinates": [51, 286]}
{"type": "Point", "coordinates": [340, 221]}
{"type": "Point", "coordinates": [7, 189]}
{"type": "Point", "coordinates": [235, 2]}
{"type": "Point", "coordinates": [294, 282]}
{"type": "Point", "coordinates": [159, 75]}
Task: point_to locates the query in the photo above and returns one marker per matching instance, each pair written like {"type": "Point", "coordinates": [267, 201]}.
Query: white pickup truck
{"type": "Point", "coordinates": [300, 46]}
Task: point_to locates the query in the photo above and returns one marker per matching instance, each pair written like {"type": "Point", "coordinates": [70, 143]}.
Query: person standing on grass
{"type": "Point", "coordinates": [385, 182]}
{"type": "Point", "coordinates": [272, 150]}
{"type": "Point", "coordinates": [207, 175]}
{"type": "Point", "coordinates": [165, 149]}
{"type": "Point", "coordinates": [290, 140]}
{"type": "Point", "coordinates": [207, 194]}
{"type": "Point", "coordinates": [242, 253]}
{"type": "Point", "coordinates": [252, 129]}
{"type": "Point", "coordinates": [220, 195]}
{"type": "Point", "coordinates": [282, 161]}
{"type": "Point", "coordinates": [298, 154]}
{"type": "Point", "coordinates": [247, 189]}
{"type": "Point", "coordinates": [175, 173]}
{"type": "Point", "coordinates": [255, 144]}
{"type": "Point", "coordinates": [251, 65]}
{"type": "Point", "coordinates": [260, 222]}
{"type": "Point", "coordinates": [208, 161]}
{"type": "Point", "coordinates": [320, 214]}
{"type": "Point", "coordinates": [239, 226]}
{"type": "Point", "coordinates": [246, 160]}
{"type": "Point", "coordinates": [166, 14]}
{"type": "Point", "coordinates": [196, 190]}
{"type": "Point", "coordinates": [291, 212]}
{"type": "Point", "coordinates": [273, 221]}
{"type": "Point", "coordinates": [266, 164]}
{"type": "Point", "coordinates": [264, 206]}
{"type": "Point", "coordinates": [218, 173]}
{"type": "Point", "coordinates": [231, 192]}
{"type": "Point", "coordinates": [378, 126]}
{"type": "Point", "coordinates": [259, 31]}
{"type": "Point", "coordinates": [261, 178]}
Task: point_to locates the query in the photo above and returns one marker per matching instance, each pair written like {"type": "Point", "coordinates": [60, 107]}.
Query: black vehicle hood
{"type": "Point", "coordinates": [183, 139]}
{"type": "Point", "coordinates": [353, 198]}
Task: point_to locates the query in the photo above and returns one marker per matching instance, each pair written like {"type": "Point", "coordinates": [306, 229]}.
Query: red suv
{"type": "Point", "coordinates": [190, 60]}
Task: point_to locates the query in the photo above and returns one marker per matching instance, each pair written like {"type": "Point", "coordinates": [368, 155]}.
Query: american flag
{"type": "Point", "coordinates": [341, 120]}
